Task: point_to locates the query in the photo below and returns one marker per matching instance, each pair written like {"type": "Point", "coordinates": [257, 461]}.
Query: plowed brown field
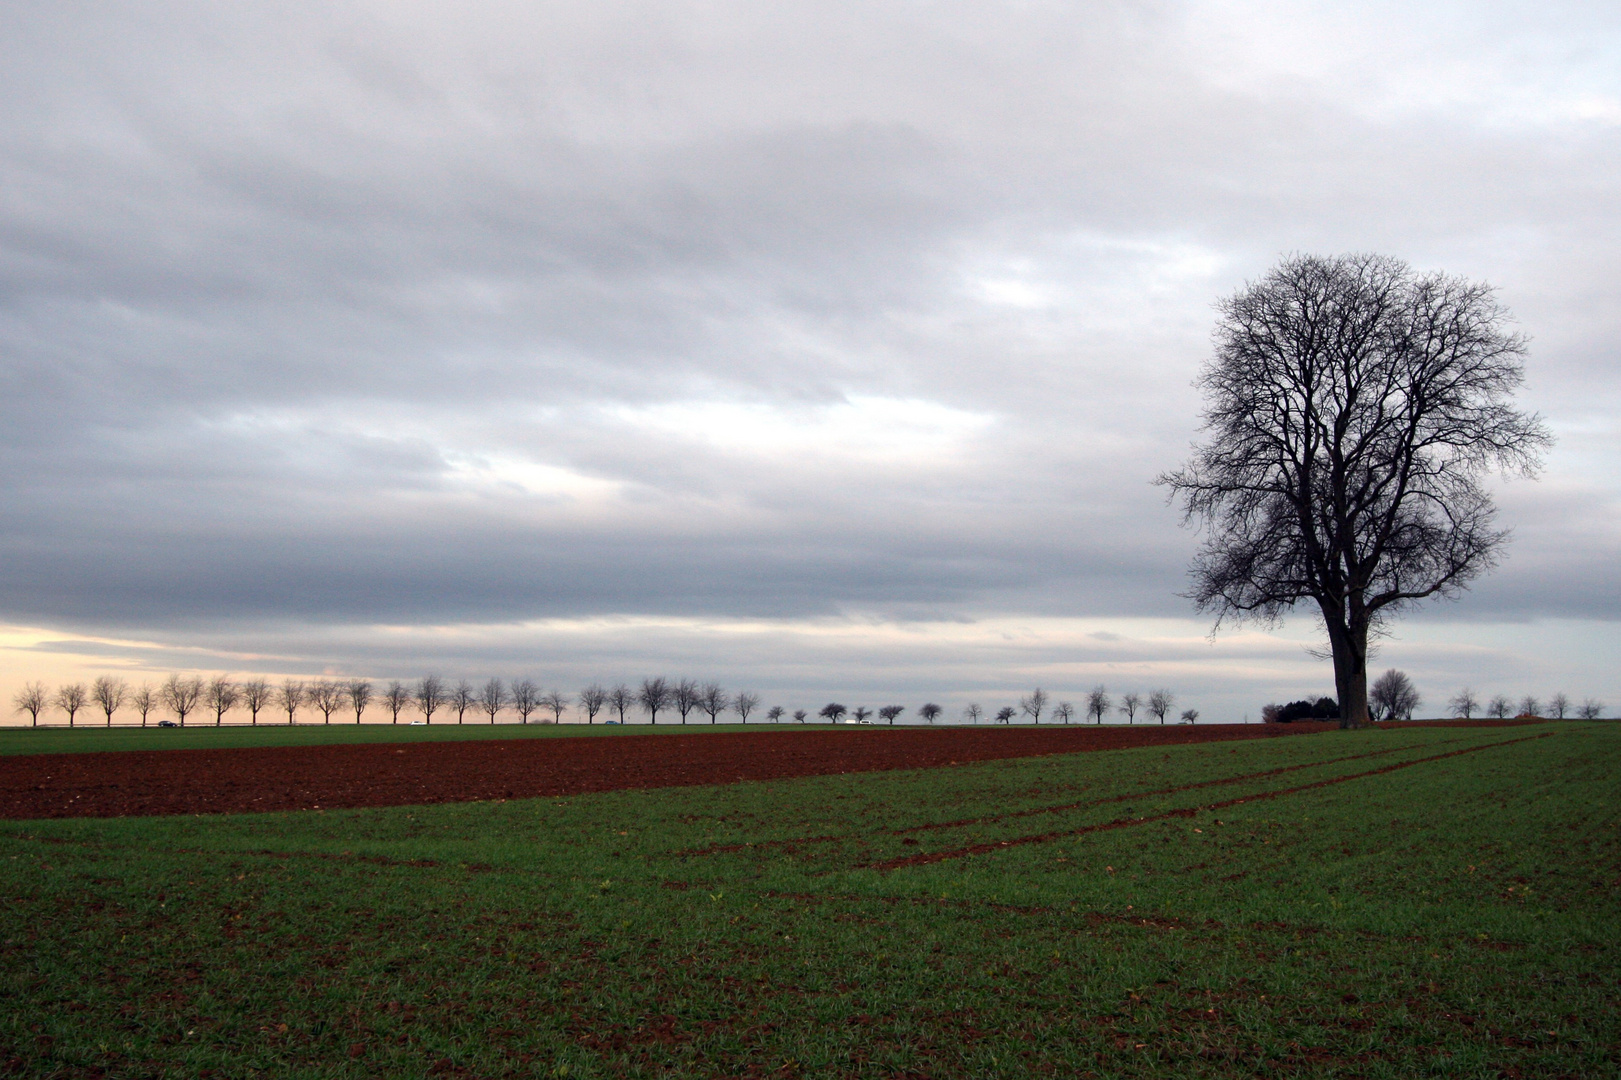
{"type": "Point", "coordinates": [142, 783]}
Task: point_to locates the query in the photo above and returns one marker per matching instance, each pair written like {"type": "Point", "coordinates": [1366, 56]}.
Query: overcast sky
{"type": "Point", "coordinates": [825, 349]}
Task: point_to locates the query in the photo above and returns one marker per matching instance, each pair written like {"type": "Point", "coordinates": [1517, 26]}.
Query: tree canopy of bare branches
{"type": "Point", "coordinates": [1464, 703]}
{"type": "Point", "coordinates": [1064, 711]}
{"type": "Point", "coordinates": [1160, 702]}
{"type": "Point", "coordinates": [713, 700]}
{"type": "Point", "coordinates": [654, 695]}
{"type": "Point", "coordinates": [744, 703]}
{"type": "Point", "coordinates": [558, 702]}
{"type": "Point", "coordinates": [290, 695]}
{"type": "Point", "coordinates": [429, 695]}
{"type": "Point", "coordinates": [395, 699]}
{"type": "Point", "coordinates": [889, 712]}
{"type": "Point", "coordinates": [1129, 704]}
{"type": "Point", "coordinates": [327, 697]}
{"type": "Point", "coordinates": [1034, 704]}
{"type": "Point", "coordinates": [70, 698]}
{"type": "Point", "coordinates": [525, 698]}
{"type": "Point", "coordinates": [180, 696]}
{"type": "Point", "coordinates": [359, 693]}
{"type": "Point", "coordinates": [1393, 696]}
{"type": "Point", "coordinates": [621, 698]}
{"type": "Point", "coordinates": [833, 712]}
{"type": "Point", "coordinates": [930, 712]}
{"type": "Point", "coordinates": [33, 700]}
{"type": "Point", "coordinates": [143, 701]}
{"type": "Point", "coordinates": [462, 698]}
{"type": "Point", "coordinates": [1098, 703]}
{"type": "Point", "coordinates": [684, 696]}
{"type": "Point", "coordinates": [222, 697]}
{"type": "Point", "coordinates": [1353, 408]}
{"type": "Point", "coordinates": [110, 694]}
{"type": "Point", "coordinates": [256, 695]}
{"type": "Point", "coordinates": [493, 698]}
{"type": "Point", "coordinates": [592, 699]}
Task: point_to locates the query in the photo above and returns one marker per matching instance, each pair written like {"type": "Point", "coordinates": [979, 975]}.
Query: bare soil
{"type": "Point", "coordinates": [145, 783]}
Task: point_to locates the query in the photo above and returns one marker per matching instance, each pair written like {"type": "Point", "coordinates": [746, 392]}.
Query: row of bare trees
{"type": "Point", "coordinates": [1499, 707]}
{"type": "Point", "coordinates": [429, 696]}
{"type": "Point", "coordinates": [187, 698]}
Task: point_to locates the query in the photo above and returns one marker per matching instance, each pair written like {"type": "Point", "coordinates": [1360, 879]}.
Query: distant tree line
{"type": "Point", "coordinates": [189, 698]}
{"type": "Point", "coordinates": [1394, 697]}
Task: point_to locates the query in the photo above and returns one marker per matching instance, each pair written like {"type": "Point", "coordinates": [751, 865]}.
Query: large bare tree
{"type": "Point", "coordinates": [684, 697]}
{"type": "Point", "coordinates": [395, 699]}
{"type": "Point", "coordinates": [327, 697]}
{"type": "Point", "coordinates": [525, 698]}
{"type": "Point", "coordinates": [1353, 408]}
{"type": "Point", "coordinates": [143, 701]}
{"type": "Point", "coordinates": [713, 700]}
{"type": "Point", "coordinates": [558, 702]}
{"type": "Point", "coordinates": [429, 694]}
{"type": "Point", "coordinates": [462, 698]}
{"type": "Point", "coordinates": [592, 699]}
{"type": "Point", "coordinates": [1031, 706]}
{"type": "Point", "coordinates": [744, 703]}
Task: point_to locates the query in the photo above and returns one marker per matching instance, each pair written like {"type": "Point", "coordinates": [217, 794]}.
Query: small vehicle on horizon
{"type": "Point", "coordinates": [167, 723]}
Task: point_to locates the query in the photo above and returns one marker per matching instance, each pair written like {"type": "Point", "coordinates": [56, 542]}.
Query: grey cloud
{"type": "Point", "coordinates": [271, 275]}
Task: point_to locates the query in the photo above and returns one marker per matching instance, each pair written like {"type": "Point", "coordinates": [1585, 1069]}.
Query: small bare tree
{"type": "Point", "coordinates": [462, 698]}
{"type": "Point", "coordinates": [1393, 696]}
{"type": "Point", "coordinates": [592, 699]}
{"type": "Point", "coordinates": [1033, 705]}
{"type": "Point", "coordinates": [1530, 706]}
{"type": "Point", "coordinates": [222, 697]}
{"type": "Point", "coordinates": [256, 695]}
{"type": "Point", "coordinates": [1558, 706]}
{"type": "Point", "coordinates": [70, 698]}
{"type": "Point", "coordinates": [429, 695]}
{"type": "Point", "coordinates": [833, 712]}
{"type": "Point", "coordinates": [654, 695]}
{"type": "Point", "coordinates": [111, 693]}
{"type": "Point", "coordinates": [395, 699]}
{"type": "Point", "coordinates": [973, 712]}
{"type": "Point", "coordinates": [860, 713]}
{"type": "Point", "coordinates": [492, 698]}
{"type": "Point", "coordinates": [1005, 714]}
{"type": "Point", "coordinates": [290, 696]}
{"type": "Point", "coordinates": [1464, 703]}
{"type": "Point", "coordinates": [621, 698]}
{"type": "Point", "coordinates": [1190, 716]}
{"type": "Point", "coordinates": [1160, 703]}
{"type": "Point", "coordinates": [525, 698]}
{"type": "Point", "coordinates": [558, 702]}
{"type": "Point", "coordinates": [143, 701]}
{"type": "Point", "coordinates": [1098, 703]}
{"type": "Point", "coordinates": [1064, 710]}
{"type": "Point", "coordinates": [889, 712]}
{"type": "Point", "coordinates": [180, 696]}
{"type": "Point", "coordinates": [1129, 704]}
{"type": "Point", "coordinates": [359, 691]}
{"type": "Point", "coordinates": [744, 703]}
{"type": "Point", "coordinates": [685, 697]}
{"type": "Point", "coordinates": [713, 700]}
{"type": "Point", "coordinates": [327, 697]}
{"type": "Point", "coordinates": [930, 712]}
{"type": "Point", "coordinates": [1590, 710]}
{"type": "Point", "coordinates": [32, 699]}
{"type": "Point", "coordinates": [774, 714]}
{"type": "Point", "coordinates": [799, 715]}
{"type": "Point", "coordinates": [1499, 707]}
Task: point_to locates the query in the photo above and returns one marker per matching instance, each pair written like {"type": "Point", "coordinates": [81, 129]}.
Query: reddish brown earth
{"type": "Point", "coordinates": [142, 782]}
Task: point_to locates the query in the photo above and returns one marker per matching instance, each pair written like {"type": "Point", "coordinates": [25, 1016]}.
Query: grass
{"type": "Point", "coordinates": [1434, 902]}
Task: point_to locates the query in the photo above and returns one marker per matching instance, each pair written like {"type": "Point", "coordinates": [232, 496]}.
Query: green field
{"type": "Point", "coordinates": [1446, 916]}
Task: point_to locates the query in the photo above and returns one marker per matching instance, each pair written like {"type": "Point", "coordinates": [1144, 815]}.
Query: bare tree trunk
{"type": "Point", "coordinates": [1350, 649]}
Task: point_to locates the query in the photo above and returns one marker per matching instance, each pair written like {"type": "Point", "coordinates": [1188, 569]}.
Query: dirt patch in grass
{"type": "Point", "coordinates": [144, 783]}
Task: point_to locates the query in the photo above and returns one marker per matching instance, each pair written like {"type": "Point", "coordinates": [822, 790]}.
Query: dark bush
{"type": "Point", "coordinates": [1321, 709]}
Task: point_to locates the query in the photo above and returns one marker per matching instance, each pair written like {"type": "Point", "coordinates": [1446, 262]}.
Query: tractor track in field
{"type": "Point", "coordinates": [795, 842]}
{"type": "Point", "coordinates": [970, 850]}
{"type": "Point", "coordinates": [140, 783]}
